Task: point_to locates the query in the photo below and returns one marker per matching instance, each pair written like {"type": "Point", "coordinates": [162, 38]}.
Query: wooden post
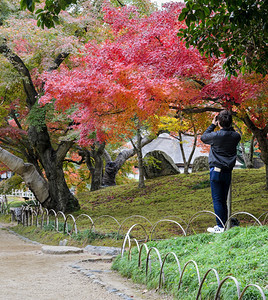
{"type": "Point", "coordinates": [229, 206]}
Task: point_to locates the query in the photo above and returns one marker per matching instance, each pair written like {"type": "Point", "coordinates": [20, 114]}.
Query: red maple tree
{"type": "Point", "coordinates": [143, 69]}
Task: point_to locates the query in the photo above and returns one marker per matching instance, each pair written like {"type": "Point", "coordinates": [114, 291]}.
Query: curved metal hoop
{"type": "Point", "coordinates": [57, 218]}
{"type": "Point", "coordinates": [197, 272]}
{"type": "Point", "coordinates": [66, 225]}
{"type": "Point", "coordinates": [162, 267]}
{"type": "Point", "coordinates": [256, 286]}
{"type": "Point", "coordinates": [166, 220]}
{"type": "Point", "coordinates": [55, 215]}
{"type": "Point", "coordinates": [200, 213]}
{"type": "Point", "coordinates": [39, 215]}
{"type": "Point", "coordinates": [83, 215]}
{"type": "Point", "coordinates": [108, 217]}
{"type": "Point", "coordinates": [148, 260]}
{"type": "Point", "coordinates": [147, 250]}
{"type": "Point", "coordinates": [244, 213]}
{"type": "Point", "coordinates": [221, 284]}
{"type": "Point", "coordinates": [175, 217]}
{"type": "Point", "coordinates": [24, 216]}
{"type": "Point", "coordinates": [130, 217]}
{"type": "Point", "coordinates": [45, 211]}
{"type": "Point", "coordinates": [264, 214]}
{"type": "Point", "coordinates": [130, 248]}
{"type": "Point", "coordinates": [33, 214]}
{"type": "Point", "coordinates": [128, 237]}
{"type": "Point", "coordinates": [203, 280]}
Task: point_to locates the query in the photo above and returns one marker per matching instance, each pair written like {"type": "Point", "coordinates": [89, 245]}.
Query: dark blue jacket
{"type": "Point", "coordinates": [223, 147]}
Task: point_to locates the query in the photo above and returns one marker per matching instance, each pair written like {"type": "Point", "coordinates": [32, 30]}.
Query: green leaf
{"type": "Point", "coordinates": [200, 14]}
{"type": "Point", "coordinates": [56, 19]}
{"type": "Point", "coordinates": [38, 11]}
{"type": "Point", "coordinates": [206, 11]}
{"type": "Point", "coordinates": [182, 16]}
{"type": "Point", "coordinates": [181, 33]}
{"type": "Point", "coordinates": [243, 69]}
{"type": "Point", "coordinates": [23, 4]}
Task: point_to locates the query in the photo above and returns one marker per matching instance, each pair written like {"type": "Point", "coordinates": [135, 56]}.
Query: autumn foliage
{"type": "Point", "coordinates": [123, 73]}
{"type": "Point", "coordinates": [133, 74]}
{"type": "Point", "coordinates": [139, 71]}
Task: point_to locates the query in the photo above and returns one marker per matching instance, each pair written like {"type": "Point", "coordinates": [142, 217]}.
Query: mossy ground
{"type": "Point", "coordinates": [179, 196]}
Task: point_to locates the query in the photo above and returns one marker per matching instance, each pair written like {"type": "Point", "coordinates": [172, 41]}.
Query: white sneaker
{"type": "Point", "coordinates": [215, 229]}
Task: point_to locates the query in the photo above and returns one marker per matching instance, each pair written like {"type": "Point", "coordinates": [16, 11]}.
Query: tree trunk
{"type": "Point", "coordinates": [261, 136]}
{"type": "Point", "coordinates": [112, 167]}
{"type": "Point", "coordinates": [248, 157]}
{"type": "Point", "coordinates": [266, 168]}
{"type": "Point", "coordinates": [186, 162]}
{"type": "Point", "coordinates": [94, 161]}
{"type": "Point", "coordinates": [96, 179]}
{"type": "Point", "coordinates": [140, 160]}
{"type": "Point", "coordinates": [28, 172]}
{"type": "Point", "coordinates": [61, 197]}
{"type": "Point", "coordinates": [52, 162]}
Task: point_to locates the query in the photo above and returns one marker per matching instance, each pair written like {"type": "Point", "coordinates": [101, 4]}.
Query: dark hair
{"type": "Point", "coordinates": [225, 119]}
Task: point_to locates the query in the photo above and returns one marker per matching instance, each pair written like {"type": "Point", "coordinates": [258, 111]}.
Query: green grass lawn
{"type": "Point", "coordinates": [176, 197]}
{"type": "Point", "coordinates": [180, 196]}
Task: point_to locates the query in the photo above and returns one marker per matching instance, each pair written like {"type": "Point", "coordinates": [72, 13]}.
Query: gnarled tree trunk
{"type": "Point", "coordinates": [59, 196]}
{"type": "Point", "coordinates": [261, 136]}
{"type": "Point", "coordinates": [112, 167]}
{"type": "Point", "coordinates": [28, 172]}
{"type": "Point", "coordinates": [94, 162]}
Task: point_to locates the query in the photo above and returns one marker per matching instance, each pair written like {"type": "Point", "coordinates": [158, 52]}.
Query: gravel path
{"type": "Point", "coordinates": [27, 273]}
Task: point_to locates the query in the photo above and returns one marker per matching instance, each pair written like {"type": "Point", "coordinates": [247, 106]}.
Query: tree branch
{"type": "Point", "coordinates": [62, 150]}
{"type": "Point", "coordinates": [13, 115]}
{"type": "Point", "coordinates": [58, 60]}
{"type": "Point", "coordinates": [120, 3]}
{"type": "Point", "coordinates": [82, 160]}
{"type": "Point", "coordinates": [107, 156]}
{"type": "Point", "coordinates": [8, 147]}
{"type": "Point", "coordinates": [19, 65]}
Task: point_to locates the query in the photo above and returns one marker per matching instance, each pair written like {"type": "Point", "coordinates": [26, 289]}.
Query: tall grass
{"type": "Point", "coordinates": [239, 252]}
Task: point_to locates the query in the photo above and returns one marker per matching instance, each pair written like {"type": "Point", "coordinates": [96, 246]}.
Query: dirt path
{"type": "Point", "coordinates": [27, 273]}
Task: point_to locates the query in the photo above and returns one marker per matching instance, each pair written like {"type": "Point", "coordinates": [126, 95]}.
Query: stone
{"type": "Point", "coordinates": [16, 214]}
{"type": "Point", "coordinates": [200, 164]}
{"type": "Point", "coordinates": [63, 242]}
{"type": "Point", "coordinates": [257, 163]}
{"type": "Point", "coordinates": [61, 250]}
{"type": "Point", "coordinates": [157, 163]}
{"type": "Point", "coordinates": [102, 250]}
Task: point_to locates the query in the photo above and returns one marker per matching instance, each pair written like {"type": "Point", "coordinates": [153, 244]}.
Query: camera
{"type": "Point", "coordinates": [216, 119]}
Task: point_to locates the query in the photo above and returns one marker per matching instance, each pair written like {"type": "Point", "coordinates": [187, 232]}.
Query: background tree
{"type": "Point", "coordinates": [112, 167]}
{"type": "Point", "coordinates": [48, 12]}
{"type": "Point", "coordinates": [183, 125]}
{"type": "Point", "coordinates": [246, 149]}
{"type": "Point", "coordinates": [42, 138]}
{"type": "Point", "coordinates": [146, 68]}
{"type": "Point", "coordinates": [234, 29]}
{"type": "Point", "coordinates": [137, 64]}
